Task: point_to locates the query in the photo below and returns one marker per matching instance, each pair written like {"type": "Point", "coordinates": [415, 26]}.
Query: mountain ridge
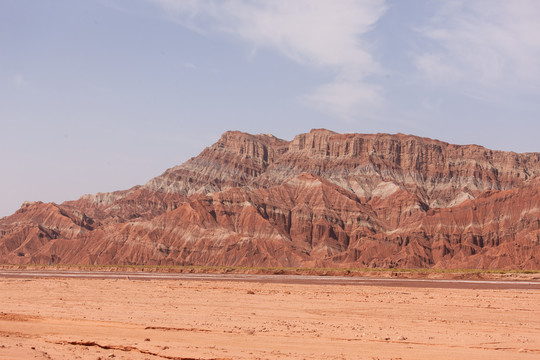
{"type": "Point", "coordinates": [320, 199]}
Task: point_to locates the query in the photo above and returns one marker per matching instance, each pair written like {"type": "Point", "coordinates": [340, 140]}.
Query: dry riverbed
{"type": "Point", "coordinates": [166, 319]}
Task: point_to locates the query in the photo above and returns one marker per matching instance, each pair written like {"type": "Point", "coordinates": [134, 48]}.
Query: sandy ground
{"type": "Point", "coordinates": [125, 319]}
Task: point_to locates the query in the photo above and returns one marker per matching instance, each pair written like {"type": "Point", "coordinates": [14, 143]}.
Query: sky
{"type": "Point", "coordinates": [102, 95]}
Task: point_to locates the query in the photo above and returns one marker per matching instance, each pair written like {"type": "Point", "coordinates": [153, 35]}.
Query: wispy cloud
{"type": "Point", "coordinates": [490, 43]}
{"type": "Point", "coordinates": [316, 33]}
{"type": "Point", "coordinates": [346, 99]}
{"type": "Point", "coordinates": [18, 80]}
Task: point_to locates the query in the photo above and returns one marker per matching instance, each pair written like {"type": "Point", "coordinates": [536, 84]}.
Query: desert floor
{"type": "Point", "coordinates": [166, 319]}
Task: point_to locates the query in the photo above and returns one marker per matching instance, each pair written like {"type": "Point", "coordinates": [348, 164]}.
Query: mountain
{"type": "Point", "coordinates": [323, 199]}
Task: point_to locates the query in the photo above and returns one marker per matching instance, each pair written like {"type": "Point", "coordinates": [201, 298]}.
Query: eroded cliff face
{"type": "Point", "coordinates": [322, 199]}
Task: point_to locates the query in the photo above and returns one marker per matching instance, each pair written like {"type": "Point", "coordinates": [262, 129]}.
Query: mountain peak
{"type": "Point", "coordinates": [321, 131]}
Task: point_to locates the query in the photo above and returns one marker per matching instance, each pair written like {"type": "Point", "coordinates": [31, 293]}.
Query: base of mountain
{"type": "Point", "coordinates": [423, 273]}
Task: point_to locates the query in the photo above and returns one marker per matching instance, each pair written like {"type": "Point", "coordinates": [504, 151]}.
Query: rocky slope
{"type": "Point", "coordinates": [322, 199]}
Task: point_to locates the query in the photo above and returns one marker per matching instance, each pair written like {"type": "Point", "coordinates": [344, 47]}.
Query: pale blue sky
{"type": "Point", "coordinates": [101, 95]}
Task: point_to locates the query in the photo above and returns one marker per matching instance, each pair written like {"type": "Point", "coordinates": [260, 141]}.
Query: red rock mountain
{"type": "Point", "coordinates": [322, 199]}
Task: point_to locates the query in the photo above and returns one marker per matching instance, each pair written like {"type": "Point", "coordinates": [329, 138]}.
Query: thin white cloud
{"type": "Point", "coordinates": [487, 42]}
{"type": "Point", "coordinates": [345, 99]}
{"type": "Point", "coordinates": [317, 33]}
{"type": "Point", "coordinates": [18, 80]}
{"type": "Point", "coordinates": [436, 67]}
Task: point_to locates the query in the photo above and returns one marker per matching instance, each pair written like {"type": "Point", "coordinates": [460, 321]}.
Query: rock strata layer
{"type": "Point", "coordinates": [321, 200]}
